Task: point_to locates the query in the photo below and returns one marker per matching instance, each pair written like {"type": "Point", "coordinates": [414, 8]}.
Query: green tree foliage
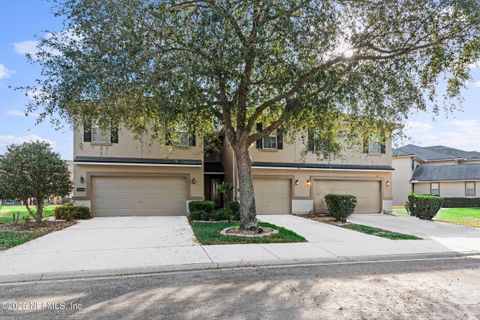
{"type": "Point", "coordinates": [33, 170]}
{"type": "Point", "coordinates": [289, 64]}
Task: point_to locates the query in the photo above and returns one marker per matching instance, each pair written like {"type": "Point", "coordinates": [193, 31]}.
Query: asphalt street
{"type": "Point", "coordinates": [447, 288]}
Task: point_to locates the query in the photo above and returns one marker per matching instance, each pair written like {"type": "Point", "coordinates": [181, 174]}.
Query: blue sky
{"type": "Point", "coordinates": [23, 21]}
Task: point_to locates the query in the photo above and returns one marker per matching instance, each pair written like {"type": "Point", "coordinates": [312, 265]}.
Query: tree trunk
{"type": "Point", "coordinates": [248, 220]}
{"type": "Point", "coordinates": [39, 213]}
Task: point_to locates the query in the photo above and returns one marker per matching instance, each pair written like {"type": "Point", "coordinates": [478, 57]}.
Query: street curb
{"type": "Point", "coordinates": [145, 271]}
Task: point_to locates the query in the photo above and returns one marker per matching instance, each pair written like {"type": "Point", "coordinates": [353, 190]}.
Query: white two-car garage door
{"type": "Point", "coordinates": [272, 196]}
{"type": "Point", "coordinates": [138, 196]}
{"type": "Point", "coordinates": [368, 194]}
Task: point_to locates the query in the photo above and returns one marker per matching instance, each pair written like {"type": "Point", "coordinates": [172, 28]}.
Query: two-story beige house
{"type": "Point", "coordinates": [116, 173]}
{"type": "Point", "coordinates": [435, 170]}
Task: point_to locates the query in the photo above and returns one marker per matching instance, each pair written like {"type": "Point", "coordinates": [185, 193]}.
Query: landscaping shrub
{"type": "Point", "coordinates": [423, 206]}
{"type": "Point", "coordinates": [340, 205]}
{"type": "Point", "coordinates": [198, 215]}
{"type": "Point", "coordinates": [70, 212]}
{"type": "Point", "coordinates": [232, 209]}
{"type": "Point", "coordinates": [201, 205]}
{"type": "Point", "coordinates": [461, 202]}
{"type": "Point", "coordinates": [217, 215]}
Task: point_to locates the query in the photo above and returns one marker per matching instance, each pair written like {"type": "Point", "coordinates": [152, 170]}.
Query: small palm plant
{"type": "Point", "coordinates": [225, 188]}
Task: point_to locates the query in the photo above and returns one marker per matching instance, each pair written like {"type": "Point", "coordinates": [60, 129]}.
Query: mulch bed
{"type": "Point", "coordinates": [42, 228]}
{"type": "Point", "coordinates": [325, 218]}
{"type": "Point", "coordinates": [260, 232]}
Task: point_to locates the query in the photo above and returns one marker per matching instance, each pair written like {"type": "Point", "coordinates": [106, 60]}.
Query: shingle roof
{"type": "Point", "coordinates": [455, 152]}
{"type": "Point", "coordinates": [400, 153]}
{"type": "Point", "coordinates": [425, 153]}
{"type": "Point", "coordinates": [459, 172]}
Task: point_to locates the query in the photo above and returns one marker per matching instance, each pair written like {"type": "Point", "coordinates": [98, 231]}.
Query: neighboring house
{"type": "Point", "coordinates": [435, 170]}
{"type": "Point", "coordinates": [118, 174]}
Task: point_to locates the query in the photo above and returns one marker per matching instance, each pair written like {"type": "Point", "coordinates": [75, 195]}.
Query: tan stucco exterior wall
{"type": "Point", "coordinates": [401, 185]}
{"type": "Point", "coordinates": [295, 152]}
{"type": "Point", "coordinates": [130, 146]}
{"type": "Point", "coordinates": [455, 189]}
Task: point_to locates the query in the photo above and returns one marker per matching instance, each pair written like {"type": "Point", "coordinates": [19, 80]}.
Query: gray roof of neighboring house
{"type": "Point", "coordinates": [460, 172]}
{"type": "Point", "coordinates": [400, 153]}
{"type": "Point", "coordinates": [455, 152]}
{"type": "Point", "coordinates": [425, 153]}
{"type": "Point", "coordinates": [436, 153]}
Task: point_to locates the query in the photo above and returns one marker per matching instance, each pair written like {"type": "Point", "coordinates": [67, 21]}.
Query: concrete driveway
{"type": "Point", "coordinates": [455, 237]}
{"type": "Point", "coordinates": [103, 243]}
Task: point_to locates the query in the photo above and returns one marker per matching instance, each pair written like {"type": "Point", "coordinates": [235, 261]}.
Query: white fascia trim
{"type": "Point", "coordinates": [140, 164]}
{"type": "Point", "coordinates": [320, 169]}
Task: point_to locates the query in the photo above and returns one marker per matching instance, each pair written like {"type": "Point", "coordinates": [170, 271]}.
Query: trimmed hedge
{"type": "Point", "coordinates": [340, 205]}
{"type": "Point", "coordinates": [69, 212]}
{"type": "Point", "coordinates": [423, 206]}
{"type": "Point", "coordinates": [201, 205]}
{"type": "Point", "coordinates": [461, 202]}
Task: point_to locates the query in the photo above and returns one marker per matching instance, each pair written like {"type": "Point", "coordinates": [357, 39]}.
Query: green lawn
{"type": "Point", "coordinates": [209, 233]}
{"type": "Point", "coordinates": [6, 212]}
{"type": "Point", "coordinates": [465, 216]}
{"type": "Point", "coordinates": [12, 238]}
{"type": "Point", "coordinates": [380, 232]}
{"type": "Point", "coordinates": [399, 210]}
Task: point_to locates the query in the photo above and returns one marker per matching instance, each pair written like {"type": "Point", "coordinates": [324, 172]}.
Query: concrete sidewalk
{"type": "Point", "coordinates": [131, 245]}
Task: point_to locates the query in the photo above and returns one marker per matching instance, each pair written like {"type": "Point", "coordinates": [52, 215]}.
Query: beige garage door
{"type": "Point", "coordinates": [367, 193]}
{"type": "Point", "coordinates": [138, 196]}
{"type": "Point", "coordinates": [272, 196]}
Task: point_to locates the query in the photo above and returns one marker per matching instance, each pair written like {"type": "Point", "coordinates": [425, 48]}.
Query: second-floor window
{"type": "Point", "coordinates": [182, 137]}
{"type": "Point", "coordinates": [374, 145]}
{"type": "Point", "coordinates": [101, 134]}
{"type": "Point", "coordinates": [273, 141]}
{"type": "Point", "coordinates": [270, 142]}
{"type": "Point", "coordinates": [469, 189]}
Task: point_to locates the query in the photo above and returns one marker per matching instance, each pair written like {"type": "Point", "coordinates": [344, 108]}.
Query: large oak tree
{"type": "Point", "coordinates": [287, 64]}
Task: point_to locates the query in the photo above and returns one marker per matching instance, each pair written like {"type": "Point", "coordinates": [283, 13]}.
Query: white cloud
{"type": "Point", "coordinates": [474, 65]}
{"type": "Point", "coordinates": [463, 134]}
{"type": "Point", "coordinates": [417, 126]}
{"type": "Point", "coordinates": [476, 83]}
{"type": "Point", "coordinates": [26, 47]}
{"type": "Point", "coordinates": [15, 113]}
{"type": "Point", "coordinates": [6, 140]}
{"type": "Point", "coordinates": [5, 72]}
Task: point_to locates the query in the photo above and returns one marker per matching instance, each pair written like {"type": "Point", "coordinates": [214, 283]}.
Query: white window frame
{"type": "Point", "coordinates": [438, 189]}
{"type": "Point", "coordinates": [274, 136]}
{"type": "Point", "coordinates": [101, 134]}
{"type": "Point", "coordinates": [375, 145]}
{"type": "Point", "coordinates": [473, 189]}
{"type": "Point", "coordinates": [182, 137]}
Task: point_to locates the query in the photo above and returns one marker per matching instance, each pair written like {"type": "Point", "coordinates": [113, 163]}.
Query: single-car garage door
{"type": "Point", "coordinates": [272, 196]}
{"type": "Point", "coordinates": [138, 196]}
{"type": "Point", "coordinates": [368, 194]}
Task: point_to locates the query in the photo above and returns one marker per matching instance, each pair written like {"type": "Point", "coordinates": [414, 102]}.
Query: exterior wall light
{"type": "Point", "coordinates": [82, 180]}
{"type": "Point", "coordinates": [296, 182]}
{"type": "Point", "coordinates": [388, 183]}
{"type": "Point", "coordinates": [194, 180]}
{"type": "Point", "coordinates": [308, 183]}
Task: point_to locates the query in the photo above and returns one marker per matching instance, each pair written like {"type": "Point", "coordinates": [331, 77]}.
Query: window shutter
{"type": "Point", "coordinates": [280, 140]}
{"type": "Point", "coordinates": [87, 133]}
{"type": "Point", "coordinates": [168, 138]}
{"type": "Point", "coordinates": [383, 148]}
{"type": "Point", "coordinates": [259, 141]}
{"type": "Point", "coordinates": [310, 141]}
{"type": "Point", "coordinates": [192, 141]}
{"type": "Point", "coordinates": [114, 135]}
